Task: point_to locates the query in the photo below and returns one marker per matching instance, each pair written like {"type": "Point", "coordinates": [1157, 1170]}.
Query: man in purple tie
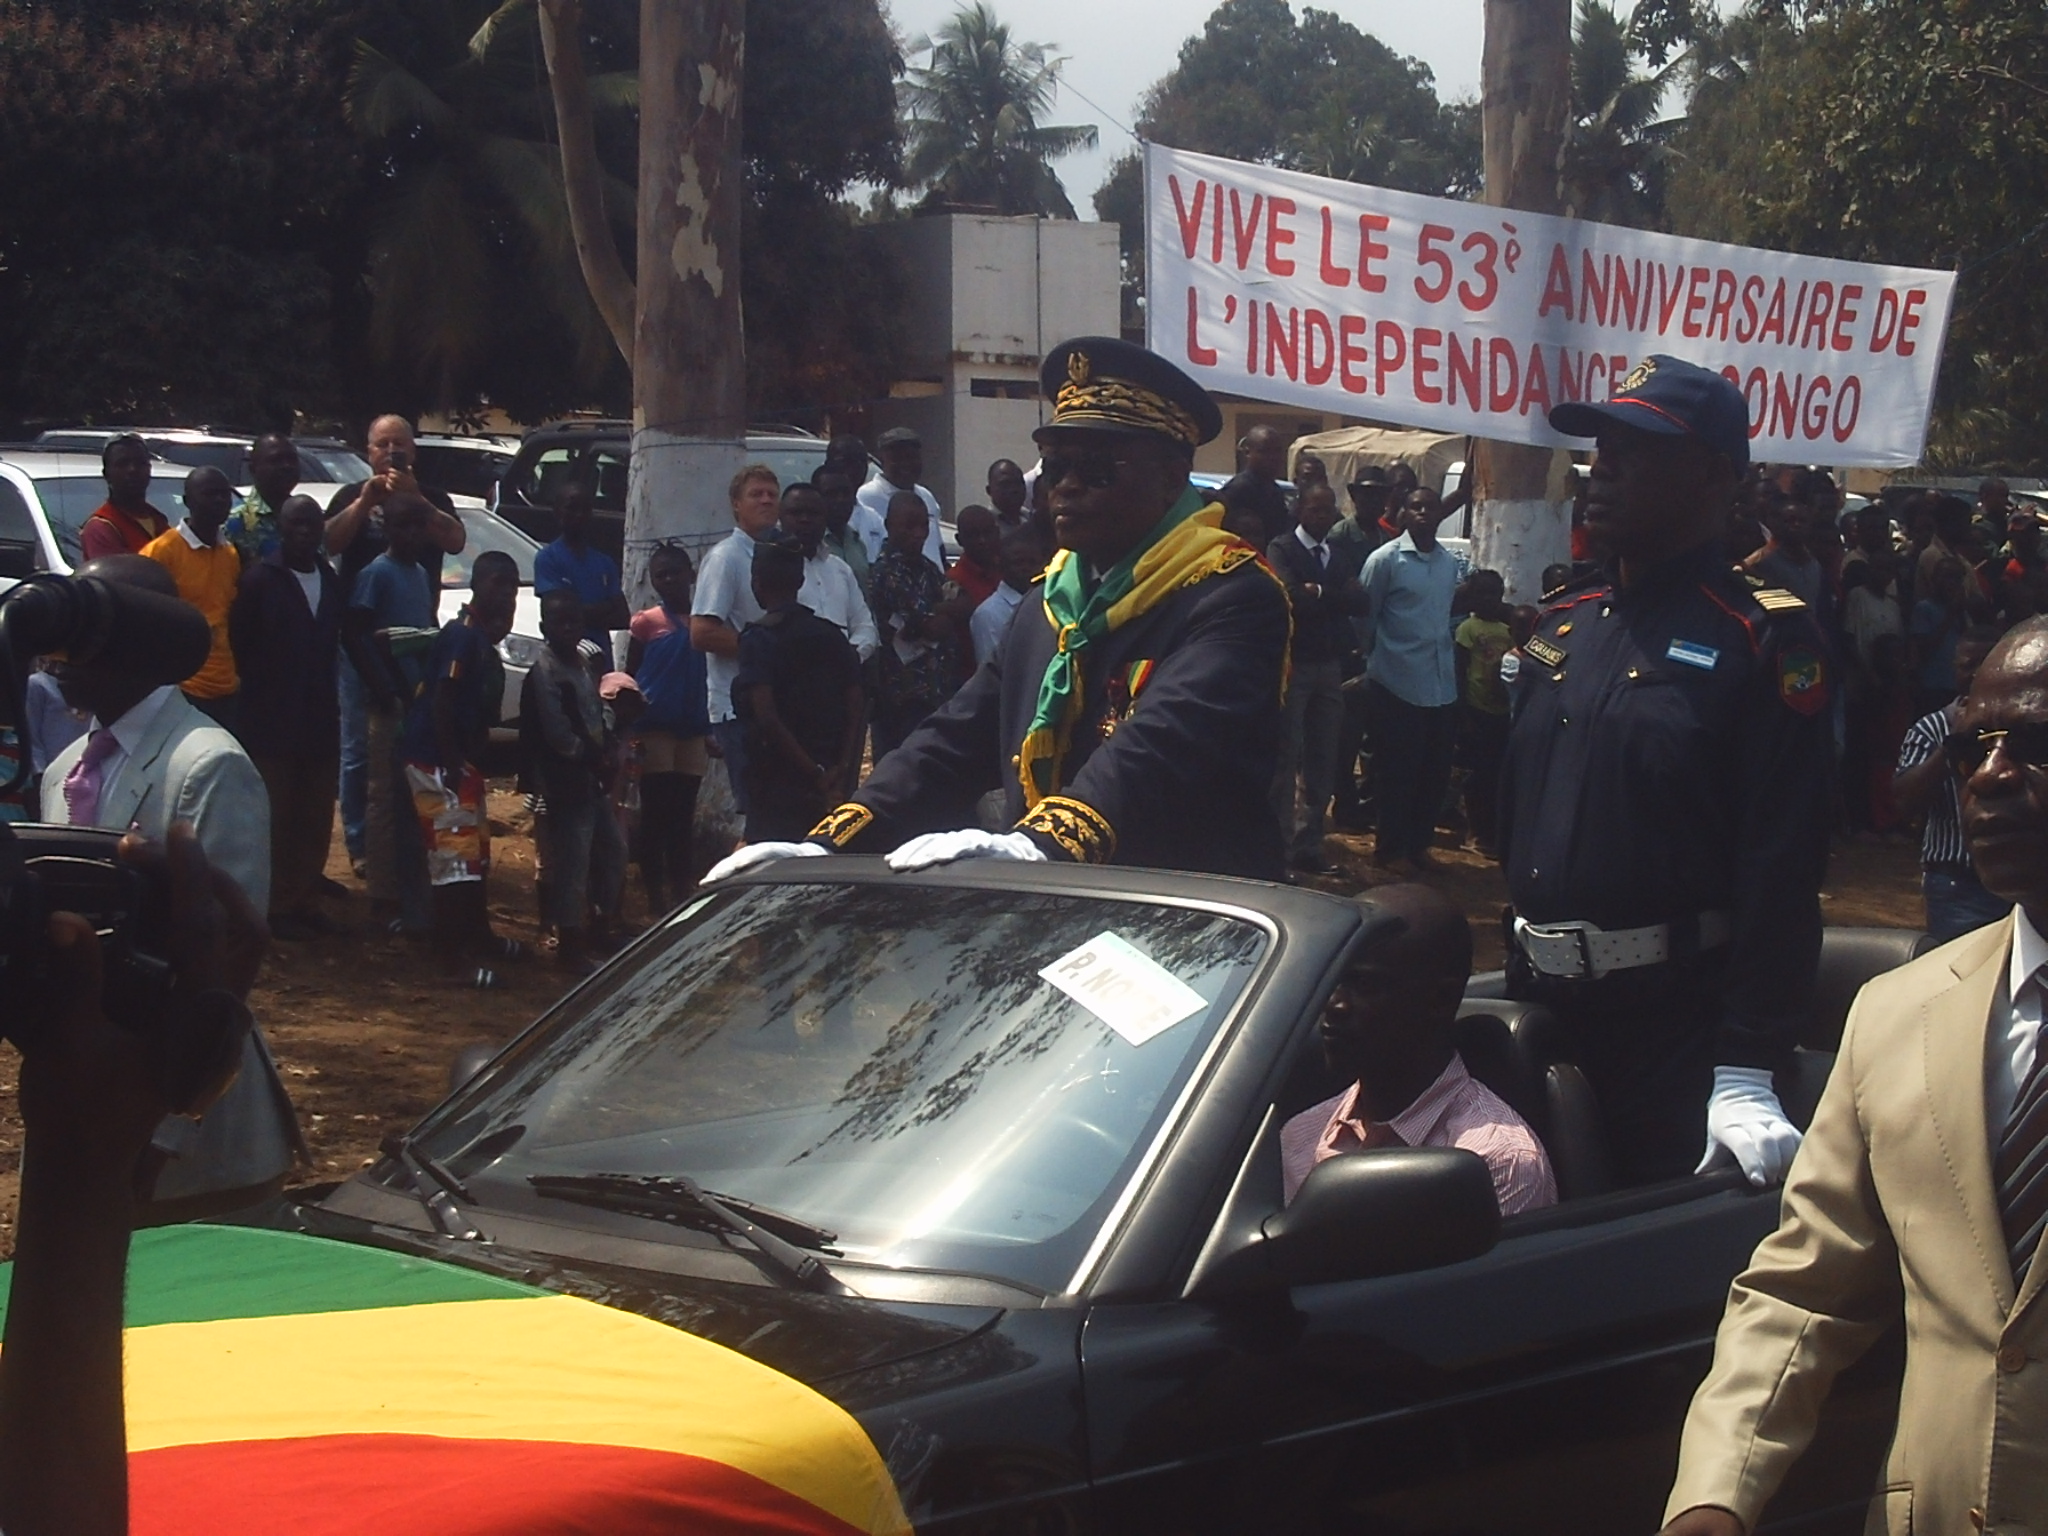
{"type": "Point", "coordinates": [149, 759]}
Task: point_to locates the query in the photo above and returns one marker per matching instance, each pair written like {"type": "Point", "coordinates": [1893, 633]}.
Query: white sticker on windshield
{"type": "Point", "coordinates": [1131, 993]}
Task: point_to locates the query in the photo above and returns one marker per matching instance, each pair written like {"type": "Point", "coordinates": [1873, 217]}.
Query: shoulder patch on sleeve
{"type": "Point", "coordinates": [1778, 600]}
{"type": "Point", "coordinates": [1803, 679]}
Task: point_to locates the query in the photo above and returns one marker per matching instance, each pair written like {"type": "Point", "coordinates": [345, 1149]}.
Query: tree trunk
{"type": "Point", "coordinates": [689, 355]}
{"type": "Point", "coordinates": [582, 178]}
{"type": "Point", "coordinates": [1522, 516]}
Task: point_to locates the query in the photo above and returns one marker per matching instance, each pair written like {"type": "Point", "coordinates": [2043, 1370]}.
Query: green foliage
{"type": "Point", "coordinates": [973, 110]}
{"type": "Point", "coordinates": [476, 291]}
{"type": "Point", "coordinates": [172, 176]}
{"type": "Point", "coordinates": [1899, 131]}
{"type": "Point", "coordinates": [1314, 95]}
{"type": "Point", "coordinates": [1617, 153]}
{"type": "Point", "coordinates": [468, 218]}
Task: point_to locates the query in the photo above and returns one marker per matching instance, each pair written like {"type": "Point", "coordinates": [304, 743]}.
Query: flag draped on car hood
{"type": "Point", "coordinates": [297, 1386]}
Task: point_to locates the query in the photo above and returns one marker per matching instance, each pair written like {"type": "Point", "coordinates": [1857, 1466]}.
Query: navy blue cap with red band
{"type": "Point", "coordinates": [1672, 398]}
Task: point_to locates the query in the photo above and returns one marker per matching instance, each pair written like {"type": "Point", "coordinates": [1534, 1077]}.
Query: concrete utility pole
{"type": "Point", "coordinates": [1522, 518]}
{"type": "Point", "coordinates": [678, 321]}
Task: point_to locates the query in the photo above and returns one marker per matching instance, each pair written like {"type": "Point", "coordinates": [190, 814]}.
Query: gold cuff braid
{"type": "Point", "coordinates": [843, 824]}
{"type": "Point", "coordinates": [1081, 831]}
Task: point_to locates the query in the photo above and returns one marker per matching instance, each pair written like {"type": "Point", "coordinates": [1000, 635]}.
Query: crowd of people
{"type": "Point", "coordinates": [332, 670]}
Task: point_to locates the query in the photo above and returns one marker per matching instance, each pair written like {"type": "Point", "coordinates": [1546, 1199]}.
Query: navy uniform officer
{"type": "Point", "coordinates": [1665, 795]}
{"type": "Point", "coordinates": [1132, 712]}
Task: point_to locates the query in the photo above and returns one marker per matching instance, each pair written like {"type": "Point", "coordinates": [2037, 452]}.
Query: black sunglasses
{"type": "Point", "coordinates": [1097, 471]}
{"type": "Point", "coordinates": [2025, 743]}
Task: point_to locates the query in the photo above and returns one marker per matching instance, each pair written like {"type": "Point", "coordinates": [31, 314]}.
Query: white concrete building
{"type": "Point", "coordinates": [984, 297]}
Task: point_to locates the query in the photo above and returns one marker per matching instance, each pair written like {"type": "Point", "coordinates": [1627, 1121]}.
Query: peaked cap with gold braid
{"type": "Point", "coordinates": [1102, 384]}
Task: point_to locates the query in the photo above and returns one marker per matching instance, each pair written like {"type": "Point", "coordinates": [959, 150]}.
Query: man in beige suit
{"type": "Point", "coordinates": [1922, 1187]}
{"type": "Point", "coordinates": [151, 759]}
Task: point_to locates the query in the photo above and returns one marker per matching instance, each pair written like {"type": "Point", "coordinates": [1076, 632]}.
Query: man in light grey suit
{"type": "Point", "coordinates": [147, 760]}
{"type": "Point", "coordinates": [1921, 1191]}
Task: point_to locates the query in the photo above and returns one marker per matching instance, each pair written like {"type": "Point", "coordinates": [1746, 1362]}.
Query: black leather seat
{"type": "Point", "coordinates": [1849, 957]}
{"type": "Point", "coordinates": [1514, 1049]}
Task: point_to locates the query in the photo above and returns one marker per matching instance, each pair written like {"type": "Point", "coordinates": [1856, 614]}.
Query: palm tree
{"type": "Point", "coordinates": [1617, 151]}
{"type": "Point", "coordinates": [974, 110]}
{"type": "Point", "coordinates": [462, 130]}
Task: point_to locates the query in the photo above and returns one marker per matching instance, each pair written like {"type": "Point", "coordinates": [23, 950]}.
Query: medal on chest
{"type": "Point", "coordinates": [1121, 696]}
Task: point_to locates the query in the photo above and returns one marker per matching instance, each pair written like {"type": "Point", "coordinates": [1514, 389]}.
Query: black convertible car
{"type": "Point", "coordinates": [988, 1157]}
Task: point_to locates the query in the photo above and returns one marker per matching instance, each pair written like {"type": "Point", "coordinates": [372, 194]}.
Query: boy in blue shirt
{"type": "Point", "coordinates": [446, 731]}
{"type": "Point", "coordinates": [671, 735]}
{"type": "Point", "coordinates": [390, 626]}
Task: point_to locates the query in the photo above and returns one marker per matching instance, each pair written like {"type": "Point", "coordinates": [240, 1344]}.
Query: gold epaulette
{"type": "Point", "coordinates": [1778, 600]}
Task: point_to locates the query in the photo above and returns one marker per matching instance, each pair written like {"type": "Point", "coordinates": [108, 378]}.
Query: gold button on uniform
{"type": "Point", "coordinates": [2012, 1359]}
{"type": "Point", "coordinates": [1977, 1518]}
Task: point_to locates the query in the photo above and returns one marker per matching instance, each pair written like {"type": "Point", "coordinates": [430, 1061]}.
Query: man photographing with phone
{"type": "Point", "coordinates": [355, 537]}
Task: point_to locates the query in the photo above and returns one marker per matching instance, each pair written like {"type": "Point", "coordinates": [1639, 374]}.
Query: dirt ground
{"type": "Point", "coordinates": [365, 1026]}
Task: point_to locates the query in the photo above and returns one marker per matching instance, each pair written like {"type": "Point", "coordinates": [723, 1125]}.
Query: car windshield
{"type": "Point", "coordinates": [886, 1061]}
{"type": "Point", "coordinates": [71, 499]}
{"type": "Point", "coordinates": [462, 471]}
{"type": "Point", "coordinates": [333, 465]}
{"type": "Point", "coordinates": [487, 531]}
{"type": "Point", "coordinates": [795, 462]}
{"type": "Point", "coordinates": [231, 459]}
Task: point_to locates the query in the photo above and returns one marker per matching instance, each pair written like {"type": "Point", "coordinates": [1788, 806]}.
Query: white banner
{"type": "Point", "coordinates": [1465, 318]}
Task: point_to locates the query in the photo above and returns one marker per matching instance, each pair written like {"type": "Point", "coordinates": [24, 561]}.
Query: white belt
{"type": "Point", "coordinates": [1576, 951]}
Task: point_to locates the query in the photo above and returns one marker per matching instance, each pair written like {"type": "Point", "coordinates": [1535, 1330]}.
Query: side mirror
{"type": "Point", "coordinates": [1363, 1215]}
{"type": "Point", "coordinates": [18, 559]}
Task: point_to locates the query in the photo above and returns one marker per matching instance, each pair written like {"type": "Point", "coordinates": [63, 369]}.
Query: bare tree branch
{"type": "Point", "coordinates": [582, 177]}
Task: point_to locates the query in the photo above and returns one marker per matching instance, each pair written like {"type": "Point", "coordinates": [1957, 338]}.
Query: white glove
{"type": "Point", "coordinates": [1746, 1122]}
{"type": "Point", "coordinates": [972, 843]}
{"type": "Point", "coordinates": [760, 853]}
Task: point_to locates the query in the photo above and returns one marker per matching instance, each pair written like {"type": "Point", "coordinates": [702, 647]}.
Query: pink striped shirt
{"type": "Point", "coordinates": [1454, 1111]}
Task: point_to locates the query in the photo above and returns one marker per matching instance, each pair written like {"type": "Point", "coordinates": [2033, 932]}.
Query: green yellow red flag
{"type": "Point", "coordinates": [297, 1386]}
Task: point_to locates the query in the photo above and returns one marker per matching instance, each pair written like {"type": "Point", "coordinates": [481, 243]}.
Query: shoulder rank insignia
{"type": "Point", "coordinates": [1550, 655]}
{"type": "Point", "coordinates": [1778, 600]}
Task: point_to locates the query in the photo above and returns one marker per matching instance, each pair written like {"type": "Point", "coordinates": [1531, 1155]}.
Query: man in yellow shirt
{"type": "Point", "coordinates": [208, 571]}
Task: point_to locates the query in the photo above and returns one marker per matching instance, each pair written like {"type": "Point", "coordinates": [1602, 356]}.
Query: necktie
{"type": "Point", "coordinates": [2022, 1170]}
{"type": "Point", "coordinates": [82, 783]}
{"type": "Point", "coordinates": [1322, 557]}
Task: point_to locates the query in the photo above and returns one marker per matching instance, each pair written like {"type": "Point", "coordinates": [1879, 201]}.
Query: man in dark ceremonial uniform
{"type": "Point", "coordinates": [1132, 714]}
{"type": "Point", "coordinates": [1665, 799]}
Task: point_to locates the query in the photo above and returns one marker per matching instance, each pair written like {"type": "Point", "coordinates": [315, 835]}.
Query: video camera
{"type": "Point", "coordinates": [45, 868]}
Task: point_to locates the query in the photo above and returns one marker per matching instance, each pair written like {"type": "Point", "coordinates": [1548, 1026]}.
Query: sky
{"type": "Point", "coordinates": [1117, 48]}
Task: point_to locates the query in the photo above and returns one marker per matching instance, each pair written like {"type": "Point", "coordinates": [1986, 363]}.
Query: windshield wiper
{"type": "Point", "coordinates": [422, 1170]}
{"type": "Point", "coordinates": [682, 1201]}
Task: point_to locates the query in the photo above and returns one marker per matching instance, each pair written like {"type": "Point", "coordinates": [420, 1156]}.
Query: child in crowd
{"type": "Point", "coordinates": [390, 628]}
{"type": "Point", "coordinates": [564, 728]}
{"type": "Point", "coordinates": [798, 691]}
{"type": "Point", "coordinates": [918, 669]}
{"type": "Point", "coordinates": [446, 733]}
{"type": "Point", "coordinates": [673, 729]}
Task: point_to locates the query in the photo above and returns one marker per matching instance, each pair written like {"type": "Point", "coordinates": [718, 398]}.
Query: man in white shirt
{"type": "Point", "coordinates": [830, 588]}
{"type": "Point", "coordinates": [723, 605]}
{"type": "Point", "coordinates": [902, 454]}
{"type": "Point", "coordinates": [1023, 558]}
